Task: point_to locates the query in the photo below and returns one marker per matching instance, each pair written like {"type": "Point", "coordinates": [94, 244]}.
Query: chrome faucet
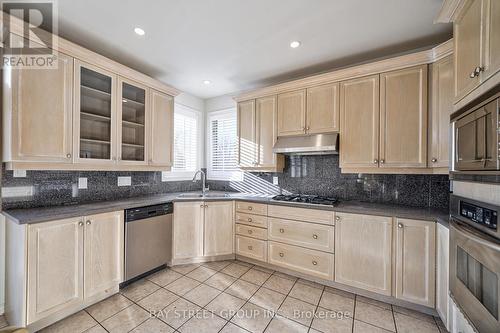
{"type": "Point", "coordinates": [204, 188]}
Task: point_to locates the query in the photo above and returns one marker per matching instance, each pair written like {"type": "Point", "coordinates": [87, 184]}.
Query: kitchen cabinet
{"type": "Point", "coordinates": [301, 214]}
{"type": "Point", "coordinates": [491, 40]}
{"type": "Point", "coordinates": [251, 248]}
{"type": "Point", "coordinates": [133, 112]}
{"type": "Point", "coordinates": [415, 261]}
{"type": "Point", "coordinates": [363, 252]}
{"type": "Point", "coordinates": [55, 267]}
{"type": "Point", "coordinates": [359, 122]}
{"type": "Point", "coordinates": [94, 115]}
{"type": "Point", "coordinates": [403, 118]}
{"type": "Point", "coordinates": [70, 264]}
{"type": "Point", "coordinates": [247, 142]}
{"type": "Point", "coordinates": [322, 111]}
{"type": "Point", "coordinates": [218, 231]}
{"type": "Point", "coordinates": [292, 113]}
{"type": "Point", "coordinates": [202, 229]}
{"type": "Point", "coordinates": [38, 116]}
{"type": "Point", "coordinates": [187, 230]}
{"type": "Point", "coordinates": [467, 33]}
{"type": "Point", "coordinates": [442, 273]}
{"type": "Point", "coordinates": [103, 252]}
{"type": "Point", "coordinates": [161, 147]}
{"type": "Point", "coordinates": [441, 107]}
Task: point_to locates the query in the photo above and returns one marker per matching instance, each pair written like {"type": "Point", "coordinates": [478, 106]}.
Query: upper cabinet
{"type": "Point", "coordinates": [94, 115]}
{"type": "Point", "coordinates": [359, 116]}
{"type": "Point", "coordinates": [161, 146]}
{"type": "Point", "coordinates": [38, 116]}
{"type": "Point", "coordinates": [403, 118]}
{"type": "Point", "coordinates": [322, 112]}
{"type": "Point", "coordinates": [441, 107]}
{"type": "Point", "coordinates": [292, 113]}
{"type": "Point", "coordinates": [477, 48]}
{"type": "Point", "coordinates": [257, 134]}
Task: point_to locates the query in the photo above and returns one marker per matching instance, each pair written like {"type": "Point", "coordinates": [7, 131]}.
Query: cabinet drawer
{"type": "Point", "coordinates": [252, 248]}
{"type": "Point", "coordinates": [249, 231]}
{"type": "Point", "coordinates": [254, 220]}
{"type": "Point", "coordinates": [251, 207]}
{"type": "Point", "coordinates": [311, 235]}
{"type": "Point", "coordinates": [311, 262]}
{"type": "Point", "coordinates": [301, 214]}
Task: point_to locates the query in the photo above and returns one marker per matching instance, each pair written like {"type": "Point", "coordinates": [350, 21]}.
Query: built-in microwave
{"type": "Point", "coordinates": [477, 137]}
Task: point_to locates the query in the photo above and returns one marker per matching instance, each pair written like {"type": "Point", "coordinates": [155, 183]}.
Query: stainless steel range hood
{"type": "Point", "coordinates": [317, 144]}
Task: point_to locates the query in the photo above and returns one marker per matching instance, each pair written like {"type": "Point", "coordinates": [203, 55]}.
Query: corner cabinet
{"type": "Point", "coordinates": [415, 261]}
{"type": "Point", "coordinates": [257, 134]}
{"type": "Point", "coordinates": [38, 113]}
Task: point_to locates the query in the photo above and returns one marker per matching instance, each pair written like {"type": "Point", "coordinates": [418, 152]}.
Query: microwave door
{"type": "Point", "coordinates": [470, 143]}
{"type": "Point", "coordinates": [491, 161]}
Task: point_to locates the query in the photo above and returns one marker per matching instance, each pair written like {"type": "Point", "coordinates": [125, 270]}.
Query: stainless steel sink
{"type": "Point", "coordinates": [206, 195]}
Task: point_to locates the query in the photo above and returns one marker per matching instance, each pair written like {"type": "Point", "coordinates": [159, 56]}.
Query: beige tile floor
{"type": "Point", "coordinates": [233, 296]}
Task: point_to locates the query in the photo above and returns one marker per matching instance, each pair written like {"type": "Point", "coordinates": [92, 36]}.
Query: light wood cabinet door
{"type": "Point", "coordinates": [442, 272]}
{"type": "Point", "coordinates": [187, 230]}
{"type": "Point", "coordinates": [161, 147]}
{"type": "Point", "coordinates": [292, 113]}
{"type": "Point", "coordinates": [403, 118]}
{"type": "Point", "coordinates": [219, 224]}
{"type": "Point", "coordinates": [247, 141]}
{"type": "Point", "coordinates": [94, 115]}
{"type": "Point", "coordinates": [491, 38]}
{"type": "Point", "coordinates": [441, 102]}
{"type": "Point", "coordinates": [267, 131]}
{"type": "Point", "coordinates": [359, 122]}
{"type": "Point", "coordinates": [251, 248]}
{"type": "Point", "coordinates": [41, 110]}
{"type": "Point", "coordinates": [323, 109]}
{"type": "Point", "coordinates": [104, 252]}
{"type": "Point", "coordinates": [133, 117]}
{"type": "Point", "coordinates": [415, 261]}
{"type": "Point", "coordinates": [55, 267]}
{"type": "Point", "coordinates": [467, 32]}
{"type": "Point", "coordinates": [363, 252]}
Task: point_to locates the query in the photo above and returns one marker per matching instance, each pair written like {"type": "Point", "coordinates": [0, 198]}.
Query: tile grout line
{"type": "Point", "coordinates": [98, 323]}
{"type": "Point", "coordinates": [316, 309]}
{"type": "Point", "coordinates": [354, 312]}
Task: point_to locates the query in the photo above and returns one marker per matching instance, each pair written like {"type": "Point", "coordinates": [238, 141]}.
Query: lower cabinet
{"type": "Point", "coordinates": [72, 263]}
{"type": "Point", "coordinates": [415, 261]}
{"type": "Point", "coordinates": [442, 273]}
{"type": "Point", "coordinates": [363, 252]}
{"type": "Point", "coordinates": [202, 228]}
{"type": "Point", "coordinates": [251, 248]}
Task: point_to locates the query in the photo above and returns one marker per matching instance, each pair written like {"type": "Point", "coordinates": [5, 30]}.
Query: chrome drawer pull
{"type": "Point", "coordinates": [337, 218]}
{"type": "Point", "coordinates": [314, 263]}
{"type": "Point", "coordinates": [250, 232]}
{"type": "Point", "coordinates": [249, 219]}
{"type": "Point", "coordinates": [282, 230]}
{"type": "Point", "coordinates": [282, 254]}
{"type": "Point", "coordinates": [315, 236]}
{"type": "Point", "coordinates": [250, 247]}
{"type": "Point", "coordinates": [250, 208]}
{"type": "Point", "coordinates": [400, 225]}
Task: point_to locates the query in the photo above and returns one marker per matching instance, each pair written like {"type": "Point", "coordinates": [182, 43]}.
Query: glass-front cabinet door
{"type": "Point", "coordinates": [133, 115]}
{"type": "Point", "coordinates": [95, 123]}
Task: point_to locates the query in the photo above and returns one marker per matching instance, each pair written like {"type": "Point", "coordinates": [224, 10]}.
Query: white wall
{"type": "Point", "coordinates": [220, 103]}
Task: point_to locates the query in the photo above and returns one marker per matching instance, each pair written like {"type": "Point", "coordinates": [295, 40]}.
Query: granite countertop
{"type": "Point", "coordinates": [44, 214]}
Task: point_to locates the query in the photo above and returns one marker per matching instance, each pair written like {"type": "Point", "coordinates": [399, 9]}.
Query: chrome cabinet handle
{"type": "Point", "coordinates": [314, 262]}
{"type": "Point", "coordinates": [250, 232]}
{"type": "Point", "coordinates": [206, 206]}
{"type": "Point", "coordinates": [249, 220]}
{"type": "Point", "coordinates": [400, 225]}
{"type": "Point", "coordinates": [89, 222]}
{"type": "Point", "coordinates": [282, 230]}
{"type": "Point", "coordinates": [202, 206]}
{"type": "Point", "coordinates": [308, 128]}
{"type": "Point", "coordinates": [337, 218]}
{"type": "Point", "coordinates": [250, 208]}
{"type": "Point", "coordinates": [382, 161]}
{"type": "Point", "coordinates": [281, 254]}
{"type": "Point", "coordinates": [375, 161]}
{"type": "Point", "coordinates": [80, 224]}
{"type": "Point", "coordinates": [315, 236]}
{"type": "Point", "coordinates": [68, 155]}
{"type": "Point", "coordinates": [434, 160]}
{"type": "Point", "coordinates": [476, 72]}
{"type": "Point", "coordinates": [250, 247]}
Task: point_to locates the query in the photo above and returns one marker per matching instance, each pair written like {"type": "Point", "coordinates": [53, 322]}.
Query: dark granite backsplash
{"type": "Point", "coordinates": [318, 175]}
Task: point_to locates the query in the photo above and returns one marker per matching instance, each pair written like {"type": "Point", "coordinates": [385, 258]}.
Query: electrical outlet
{"type": "Point", "coordinates": [164, 176]}
{"type": "Point", "coordinates": [19, 174]}
{"type": "Point", "coordinates": [82, 183]}
{"type": "Point", "coordinates": [275, 180]}
{"type": "Point", "coordinates": [124, 181]}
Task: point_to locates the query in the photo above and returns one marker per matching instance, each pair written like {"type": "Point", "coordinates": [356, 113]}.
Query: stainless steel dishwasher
{"type": "Point", "coordinates": [148, 240]}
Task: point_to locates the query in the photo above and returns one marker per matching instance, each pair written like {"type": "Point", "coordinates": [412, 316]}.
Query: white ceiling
{"type": "Point", "coordinates": [243, 44]}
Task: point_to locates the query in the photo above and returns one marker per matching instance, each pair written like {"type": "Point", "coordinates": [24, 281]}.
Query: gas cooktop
{"type": "Point", "coordinates": [309, 199]}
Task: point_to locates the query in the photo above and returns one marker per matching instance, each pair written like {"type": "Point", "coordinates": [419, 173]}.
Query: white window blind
{"type": "Point", "coordinates": [186, 142]}
{"type": "Point", "coordinates": [222, 146]}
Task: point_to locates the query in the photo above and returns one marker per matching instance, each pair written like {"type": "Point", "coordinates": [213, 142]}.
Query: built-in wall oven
{"type": "Point", "coordinates": [475, 261]}
{"type": "Point", "coordinates": [477, 137]}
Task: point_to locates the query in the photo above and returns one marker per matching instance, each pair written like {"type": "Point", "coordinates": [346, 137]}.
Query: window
{"type": "Point", "coordinates": [222, 146]}
{"type": "Point", "coordinates": [187, 143]}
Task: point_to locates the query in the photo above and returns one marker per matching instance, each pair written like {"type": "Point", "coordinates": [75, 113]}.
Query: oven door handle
{"type": "Point", "coordinates": [475, 235]}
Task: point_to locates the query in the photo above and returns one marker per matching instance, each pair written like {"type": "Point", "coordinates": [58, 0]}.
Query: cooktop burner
{"type": "Point", "coordinates": [310, 199]}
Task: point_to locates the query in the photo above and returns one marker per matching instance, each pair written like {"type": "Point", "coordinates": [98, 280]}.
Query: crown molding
{"type": "Point", "coordinates": [376, 67]}
{"type": "Point", "coordinates": [76, 51]}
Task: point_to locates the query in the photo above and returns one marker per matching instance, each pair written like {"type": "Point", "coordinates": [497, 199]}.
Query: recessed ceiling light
{"type": "Point", "coordinates": [294, 44]}
{"type": "Point", "coordinates": [207, 82]}
{"type": "Point", "coordinates": [139, 31]}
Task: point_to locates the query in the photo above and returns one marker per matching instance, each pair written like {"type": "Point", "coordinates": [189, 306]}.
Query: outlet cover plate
{"type": "Point", "coordinates": [124, 181]}
{"type": "Point", "coordinates": [19, 173]}
{"type": "Point", "coordinates": [275, 180]}
{"type": "Point", "coordinates": [82, 183]}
